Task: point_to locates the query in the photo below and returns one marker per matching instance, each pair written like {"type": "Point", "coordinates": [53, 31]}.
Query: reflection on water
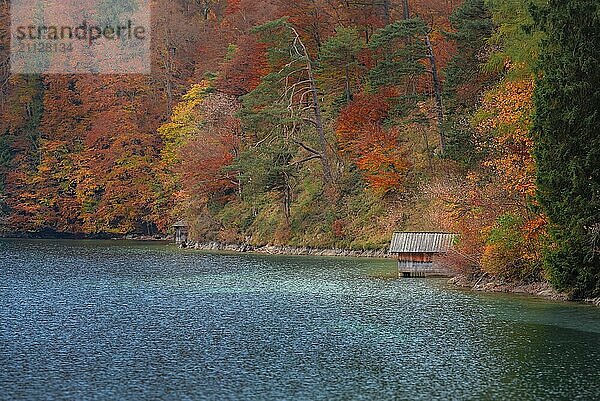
{"type": "Point", "coordinates": [130, 321]}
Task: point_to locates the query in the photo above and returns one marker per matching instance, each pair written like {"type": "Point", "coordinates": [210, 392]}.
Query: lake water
{"type": "Point", "coordinates": [129, 321]}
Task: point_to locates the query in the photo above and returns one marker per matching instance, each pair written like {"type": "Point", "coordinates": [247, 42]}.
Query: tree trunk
{"type": "Point", "coordinates": [437, 88]}
{"type": "Point", "coordinates": [348, 89]}
{"type": "Point", "coordinates": [405, 9]}
{"type": "Point", "coordinates": [287, 199]}
{"type": "Point", "coordinates": [327, 175]}
{"type": "Point", "coordinates": [169, 72]}
{"type": "Point", "coordinates": [387, 12]}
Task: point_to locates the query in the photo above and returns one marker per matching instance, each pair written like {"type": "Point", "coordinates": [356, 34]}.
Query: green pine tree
{"type": "Point", "coordinates": [400, 49]}
{"type": "Point", "coordinates": [568, 142]}
{"type": "Point", "coordinates": [340, 68]}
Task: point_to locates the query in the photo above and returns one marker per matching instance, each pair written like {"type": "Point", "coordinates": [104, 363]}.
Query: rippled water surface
{"type": "Point", "coordinates": [130, 321]}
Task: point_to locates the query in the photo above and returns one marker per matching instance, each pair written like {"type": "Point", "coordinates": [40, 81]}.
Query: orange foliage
{"type": "Point", "coordinates": [376, 151]}
{"type": "Point", "coordinates": [508, 114]}
{"type": "Point", "coordinates": [93, 168]}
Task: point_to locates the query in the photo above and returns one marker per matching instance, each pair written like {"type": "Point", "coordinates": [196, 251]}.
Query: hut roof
{"type": "Point", "coordinates": [421, 242]}
{"type": "Point", "coordinates": [181, 224]}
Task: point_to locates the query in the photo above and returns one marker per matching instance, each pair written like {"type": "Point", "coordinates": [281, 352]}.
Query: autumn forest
{"type": "Point", "coordinates": [328, 123]}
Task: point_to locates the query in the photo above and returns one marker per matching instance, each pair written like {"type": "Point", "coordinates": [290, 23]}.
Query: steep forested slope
{"type": "Point", "coordinates": [328, 123]}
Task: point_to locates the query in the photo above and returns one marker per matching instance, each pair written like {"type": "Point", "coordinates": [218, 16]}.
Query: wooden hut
{"type": "Point", "coordinates": [416, 252]}
{"type": "Point", "coordinates": [181, 232]}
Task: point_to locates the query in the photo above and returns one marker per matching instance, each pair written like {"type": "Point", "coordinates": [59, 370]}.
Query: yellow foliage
{"type": "Point", "coordinates": [186, 120]}
{"type": "Point", "coordinates": [507, 115]}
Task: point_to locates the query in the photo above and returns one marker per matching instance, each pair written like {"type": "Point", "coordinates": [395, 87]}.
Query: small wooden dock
{"type": "Point", "coordinates": [416, 253]}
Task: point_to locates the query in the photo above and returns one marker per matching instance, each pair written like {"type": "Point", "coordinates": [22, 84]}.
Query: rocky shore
{"type": "Point", "coordinates": [288, 250]}
{"type": "Point", "coordinates": [488, 283]}
{"type": "Point", "coordinates": [594, 301]}
{"type": "Point", "coordinates": [158, 238]}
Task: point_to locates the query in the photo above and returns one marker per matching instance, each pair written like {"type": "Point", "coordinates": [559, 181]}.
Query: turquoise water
{"type": "Point", "coordinates": [129, 321]}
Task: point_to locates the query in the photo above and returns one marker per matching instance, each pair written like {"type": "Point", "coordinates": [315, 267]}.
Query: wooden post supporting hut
{"type": "Point", "coordinates": [181, 232]}
{"type": "Point", "coordinates": [416, 253]}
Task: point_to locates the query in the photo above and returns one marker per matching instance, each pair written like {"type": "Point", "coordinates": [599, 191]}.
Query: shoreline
{"type": "Point", "coordinates": [53, 235]}
{"type": "Point", "coordinates": [490, 284]}
{"type": "Point", "coordinates": [287, 250]}
{"type": "Point", "coordinates": [485, 283]}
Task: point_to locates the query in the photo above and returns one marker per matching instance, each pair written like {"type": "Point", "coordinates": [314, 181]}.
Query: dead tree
{"type": "Point", "coordinates": [302, 97]}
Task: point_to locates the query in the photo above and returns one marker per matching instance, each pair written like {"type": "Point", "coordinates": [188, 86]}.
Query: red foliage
{"type": "Point", "coordinates": [243, 72]}
{"type": "Point", "coordinates": [206, 157]}
{"type": "Point", "coordinates": [376, 151]}
{"type": "Point", "coordinates": [339, 228]}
